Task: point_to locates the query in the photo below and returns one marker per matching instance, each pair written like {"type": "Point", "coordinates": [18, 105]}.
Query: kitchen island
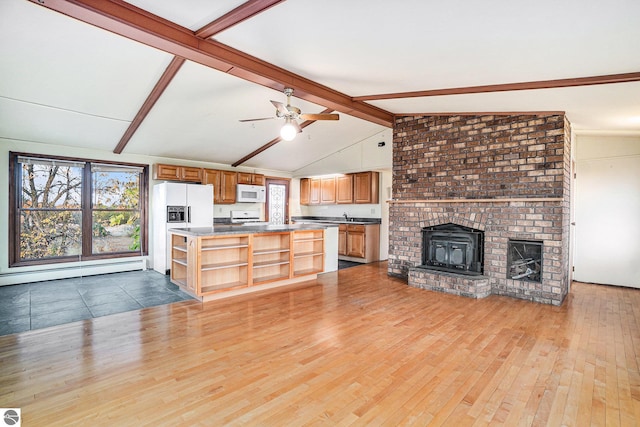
{"type": "Point", "coordinates": [224, 260]}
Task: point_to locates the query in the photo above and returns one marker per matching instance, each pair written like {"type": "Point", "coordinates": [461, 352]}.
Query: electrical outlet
{"type": "Point", "coordinates": [373, 210]}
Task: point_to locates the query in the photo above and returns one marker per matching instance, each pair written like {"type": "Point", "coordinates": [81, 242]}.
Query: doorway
{"type": "Point", "coordinates": [277, 202]}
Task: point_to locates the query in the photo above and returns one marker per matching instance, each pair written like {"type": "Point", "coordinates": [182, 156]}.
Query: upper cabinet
{"type": "Point", "coordinates": [362, 187]}
{"type": "Point", "coordinates": [314, 192]}
{"type": "Point", "coordinates": [327, 190]}
{"type": "Point", "coordinates": [250, 178]}
{"type": "Point", "coordinates": [224, 185]}
{"type": "Point", "coordinates": [177, 173]}
{"type": "Point", "coordinates": [344, 189]}
{"type": "Point", "coordinates": [365, 187]}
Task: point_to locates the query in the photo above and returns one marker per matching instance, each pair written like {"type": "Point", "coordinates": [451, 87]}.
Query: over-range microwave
{"type": "Point", "coordinates": [250, 193]}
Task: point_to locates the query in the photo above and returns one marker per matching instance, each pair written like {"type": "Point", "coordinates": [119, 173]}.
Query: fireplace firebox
{"type": "Point", "coordinates": [453, 248]}
{"type": "Point", "coordinates": [524, 260]}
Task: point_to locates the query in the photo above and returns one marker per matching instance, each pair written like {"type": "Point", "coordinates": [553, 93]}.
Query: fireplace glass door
{"type": "Point", "coordinates": [454, 248]}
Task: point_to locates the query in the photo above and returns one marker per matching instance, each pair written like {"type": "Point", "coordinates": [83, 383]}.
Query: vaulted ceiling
{"type": "Point", "coordinates": [174, 78]}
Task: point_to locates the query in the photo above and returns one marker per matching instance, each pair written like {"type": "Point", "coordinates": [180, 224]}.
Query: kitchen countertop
{"type": "Point", "coordinates": [220, 230]}
{"type": "Point", "coordinates": [335, 220]}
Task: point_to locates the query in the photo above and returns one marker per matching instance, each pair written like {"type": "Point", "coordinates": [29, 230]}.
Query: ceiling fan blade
{"type": "Point", "coordinates": [255, 120]}
{"type": "Point", "coordinates": [296, 125]}
{"type": "Point", "coordinates": [320, 116]}
{"type": "Point", "coordinates": [281, 108]}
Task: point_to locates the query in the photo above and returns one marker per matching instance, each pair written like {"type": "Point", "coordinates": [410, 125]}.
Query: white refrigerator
{"type": "Point", "coordinates": [177, 205]}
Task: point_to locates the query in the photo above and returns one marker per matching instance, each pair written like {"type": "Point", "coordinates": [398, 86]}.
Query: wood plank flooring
{"type": "Point", "coordinates": [354, 347]}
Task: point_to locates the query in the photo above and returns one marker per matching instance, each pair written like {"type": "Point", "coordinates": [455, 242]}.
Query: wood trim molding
{"type": "Point", "coordinates": [245, 11]}
{"type": "Point", "coordinates": [506, 200]}
{"type": "Point", "coordinates": [157, 91]}
{"type": "Point", "coordinates": [542, 84]}
{"type": "Point", "coordinates": [274, 141]}
{"type": "Point", "coordinates": [136, 24]}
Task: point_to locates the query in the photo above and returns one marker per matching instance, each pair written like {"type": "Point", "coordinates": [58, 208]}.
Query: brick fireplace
{"type": "Point", "coordinates": [506, 175]}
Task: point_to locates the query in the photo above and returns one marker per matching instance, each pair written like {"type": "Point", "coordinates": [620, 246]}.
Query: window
{"type": "Point", "coordinates": [65, 209]}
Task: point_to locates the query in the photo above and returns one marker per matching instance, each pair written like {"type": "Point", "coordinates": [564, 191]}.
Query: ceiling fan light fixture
{"type": "Point", "coordinates": [288, 131]}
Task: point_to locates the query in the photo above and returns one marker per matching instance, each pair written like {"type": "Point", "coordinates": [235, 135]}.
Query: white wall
{"type": "Point", "coordinates": [607, 210]}
{"type": "Point", "coordinates": [74, 269]}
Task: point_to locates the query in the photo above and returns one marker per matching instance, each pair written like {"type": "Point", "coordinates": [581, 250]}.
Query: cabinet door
{"type": "Point", "coordinates": [328, 190]}
{"type": "Point", "coordinates": [228, 182]}
{"type": "Point", "coordinates": [356, 243]}
{"type": "Point", "coordinates": [342, 239]}
{"type": "Point", "coordinates": [365, 187]}
{"type": "Point", "coordinates": [211, 176]}
{"type": "Point", "coordinates": [314, 194]}
{"type": "Point", "coordinates": [168, 172]}
{"type": "Point", "coordinates": [305, 189]}
{"type": "Point", "coordinates": [257, 179]}
{"type": "Point", "coordinates": [244, 178]}
{"type": "Point", "coordinates": [344, 189]}
{"type": "Point", "coordinates": [190, 174]}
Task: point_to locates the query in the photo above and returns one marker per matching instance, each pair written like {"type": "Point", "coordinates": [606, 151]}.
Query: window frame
{"type": "Point", "coordinates": [87, 209]}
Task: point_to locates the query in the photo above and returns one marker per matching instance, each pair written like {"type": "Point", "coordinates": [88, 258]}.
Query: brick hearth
{"type": "Point", "coordinates": [506, 175]}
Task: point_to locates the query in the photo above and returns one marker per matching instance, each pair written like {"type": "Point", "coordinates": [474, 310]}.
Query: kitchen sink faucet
{"type": "Point", "coordinates": [346, 217]}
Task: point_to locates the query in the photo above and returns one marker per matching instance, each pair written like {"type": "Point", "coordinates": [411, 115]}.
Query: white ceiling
{"type": "Point", "coordinates": [66, 82]}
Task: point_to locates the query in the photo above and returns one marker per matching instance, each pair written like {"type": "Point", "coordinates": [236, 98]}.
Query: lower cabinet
{"type": "Point", "coordinates": [203, 265]}
{"type": "Point", "coordinates": [358, 242]}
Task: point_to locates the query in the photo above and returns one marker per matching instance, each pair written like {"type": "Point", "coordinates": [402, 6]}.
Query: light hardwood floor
{"type": "Point", "coordinates": [355, 347]}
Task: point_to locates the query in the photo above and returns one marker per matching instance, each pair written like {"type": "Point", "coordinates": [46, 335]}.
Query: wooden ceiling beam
{"type": "Point", "coordinates": [134, 23]}
{"type": "Point", "coordinates": [163, 82]}
{"type": "Point", "coordinates": [541, 84]}
{"type": "Point", "coordinates": [245, 11]}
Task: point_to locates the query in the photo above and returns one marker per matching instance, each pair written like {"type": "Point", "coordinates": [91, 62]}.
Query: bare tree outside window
{"type": "Point", "coordinates": [51, 211]}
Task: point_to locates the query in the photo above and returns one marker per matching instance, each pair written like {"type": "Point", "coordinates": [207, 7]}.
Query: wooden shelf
{"type": "Point", "coordinates": [272, 251]}
{"type": "Point", "coordinates": [181, 261]}
{"type": "Point", "coordinates": [306, 254]}
{"type": "Point", "coordinates": [221, 247]}
{"type": "Point", "coordinates": [269, 263]}
{"type": "Point", "coordinates": [181, 248]}
{"type": "Point", "coordinates": [206, 267]}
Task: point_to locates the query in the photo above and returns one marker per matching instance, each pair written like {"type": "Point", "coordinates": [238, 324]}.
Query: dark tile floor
{"type": "Point", "coordinates": [346, 264]}
{"type": "Point", "coordinates": [39, 305]}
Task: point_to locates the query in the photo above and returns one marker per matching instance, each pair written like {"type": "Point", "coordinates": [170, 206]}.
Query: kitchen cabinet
{"type": "Point", "coordinates": [354, 188]}
{"type": "Point", "coordinates": [177, 173]}
{"type": "Point", "coordinates": [356, 244]}
{"type": "Point", "coordinates": [366, 187]}
{"type": "Point", "coordinates": [305, 191]}
{"type": "Point", "coordinates": [314, 191]}
{"type": "Point", "coordinates": [207, 263]}
{"type": "Point", "coordinates": [211, 263]}
{"type": "Point", "coordinates": [342, 239]}
{"type": "Point", "coordinates": [359, 242]}
{"type": "Point", "coordinates": [328, 190]}
{"type": "Point", "coordinates": [344, 189]}
{"type": "Point", "coordinates": [250, 178]}
{"type": "Point", "coordinates": [224, 185]}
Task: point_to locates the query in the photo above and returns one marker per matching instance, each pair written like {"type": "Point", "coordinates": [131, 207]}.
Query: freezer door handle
{"type": "Point", "coordinates": [189, 214]}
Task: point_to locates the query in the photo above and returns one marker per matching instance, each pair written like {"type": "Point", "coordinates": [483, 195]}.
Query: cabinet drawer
{"type": "Point", "coordinates": [354, 227]}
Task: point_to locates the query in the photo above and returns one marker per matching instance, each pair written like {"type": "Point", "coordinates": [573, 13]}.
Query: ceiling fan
{"type": "Point", "coordinates": [290, 114]}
